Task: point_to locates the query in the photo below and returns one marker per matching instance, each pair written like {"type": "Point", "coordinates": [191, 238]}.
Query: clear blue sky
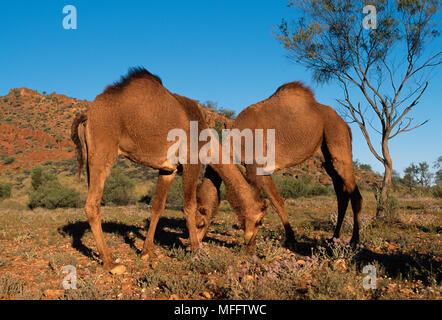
{"type": "Point", "coordinates": [220, 50]}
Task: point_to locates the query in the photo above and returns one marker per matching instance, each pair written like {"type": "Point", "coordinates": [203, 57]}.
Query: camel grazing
{"type": "Point", "coordinates": [132, 118]}
{"type": "Point", "coordinates": [302, 126]}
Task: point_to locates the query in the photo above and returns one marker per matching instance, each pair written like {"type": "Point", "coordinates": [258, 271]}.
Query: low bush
{"type": "Point", "coordinates": [38, 177]}
{"type": "Point", "coordinates": [5, 190]}
{"type": "Point", "coordinates": [118, 189]}
{"type": "Point", "coordinates": [436, 191]}
{"type": "Point", "coordinates": [52, 194]}
{"type": "Point", "coordinates": [175, 196]}
{"type": "Point", "coordinates": [8, 160]}
{"type": "Point", "coordinates": [290, 187]}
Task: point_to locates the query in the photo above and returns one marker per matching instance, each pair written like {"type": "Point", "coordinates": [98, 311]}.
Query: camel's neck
{"type": "Point", "coordinates": [242, 194]}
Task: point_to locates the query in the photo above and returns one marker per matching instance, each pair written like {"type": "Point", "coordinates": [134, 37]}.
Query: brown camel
{"type": "Point", "coordinates": [133, 118]}
{"type": "Point", "coordinates": [302, 126]}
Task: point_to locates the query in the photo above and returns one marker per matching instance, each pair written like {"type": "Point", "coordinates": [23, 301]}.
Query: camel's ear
{"type": "Point", "coordinates": [200, 219]}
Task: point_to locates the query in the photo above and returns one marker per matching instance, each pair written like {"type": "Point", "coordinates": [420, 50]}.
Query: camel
{"type": "Point", "coordinates": [132, 118]}
{"type": "Point", "coordinates": [302, 127]}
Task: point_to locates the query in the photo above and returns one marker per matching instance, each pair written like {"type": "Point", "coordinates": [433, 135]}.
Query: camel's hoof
{"type": "Point", "coordinates": [250, 249]}
{"type": "Point", "coordinates": [118, 269]}
{"type": "Point", "coordinates": [146, 256]}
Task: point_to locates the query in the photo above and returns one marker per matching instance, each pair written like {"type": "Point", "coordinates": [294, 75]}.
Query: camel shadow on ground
{"type": "Point", "coordinates": [77, 230]}
{"type": "Point", "coordinates": [407, 265]}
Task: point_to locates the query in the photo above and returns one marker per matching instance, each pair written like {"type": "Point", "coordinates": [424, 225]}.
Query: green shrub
{"type": "Point", "coordinates": [5, 190]}
{"type": "Point", "coordinates": [436, 191]}
{"type": "Point", "coordinates": [289, 187]}
{"type": "Point", "coordinates": [319, 190]}
{"type": "Point", "coordinates": [365, 167]}
{"type": "Point", "coordinates": [175, 195]}
{"type": "Point", "coordinates": [38, 178]}
{"type": "Point", "coordinates": [8, 160]}
{"type": "Point", "coordinates": [51, 194]}
{"type": "Point", "coordinates": [391, 211]}
{"type": "Point", "coordinates": [223, 192]}
{"type": "Point", "coordinates": [118, 189]}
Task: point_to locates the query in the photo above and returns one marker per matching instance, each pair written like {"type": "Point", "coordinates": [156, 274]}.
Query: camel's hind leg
{"type": "Point", "coordinates": [268, 186]}
{"type": "Point", "coordinates": [98, 172]}
{"type": "Point", "coordinates": [165, 179]}
{"type": "Point", "coordinates": [190, 182]}
{"type": "Point", "coordinates": [340, 170]}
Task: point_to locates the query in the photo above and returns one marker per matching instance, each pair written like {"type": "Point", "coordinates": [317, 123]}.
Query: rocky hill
{"type": "Point", "coordinates": [35, 128]}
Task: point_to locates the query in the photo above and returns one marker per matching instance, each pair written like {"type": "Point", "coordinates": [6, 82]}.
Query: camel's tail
{"type": "Point", "coordinates": [78, 136]}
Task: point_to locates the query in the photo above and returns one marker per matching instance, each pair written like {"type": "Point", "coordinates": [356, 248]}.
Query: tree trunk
{"type": "Point", "coordinates": [382, 199]}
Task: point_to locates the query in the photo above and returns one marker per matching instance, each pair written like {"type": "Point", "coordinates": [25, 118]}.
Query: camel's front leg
{"type": "Point", "coordinates": [190, 182]}
{"type": "Point", "coordinates": [165, 179]}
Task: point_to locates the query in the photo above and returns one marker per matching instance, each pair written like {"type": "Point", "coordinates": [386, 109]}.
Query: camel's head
{"type": "Point", "coordinates": [251, 214]}
{"type": "Point", "coordinates": [203, 220]}
{"type": "Point", "coordinates": [207, 200]}
{"type": "Point", "coordinates": [251, 222]}
{"type": "Point", "coordinates": [251, 209]}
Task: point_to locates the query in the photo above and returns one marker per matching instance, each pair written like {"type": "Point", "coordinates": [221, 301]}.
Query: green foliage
{"type": "Point", "coordinates": [391, 213]}
{"type": "Point", "coordinates": [5, 190]}
{"type": "Point", "coordinates": [47, 192]}
{"type": "Point", "coordinates": [210, 105]}
{"type": "Point", "coordinates": [289, 187]}
{"type": "Point", "coordinates": [219, 126]}
{"type": "Point", "coordinates": [410, 176]}
{"type": "Point", "coordinates": [227, 113]}
{"type": "Point", "coordinates": [39, 178]}
{"type": "Point", "coordinates": [438, 174]}
{"type": "Point", "coordinates": [396, 178]}
{"type": "Point", "coordinates": [213, 106]}
{"type": "Point", "coordinates": [425, 176]}
{"type": "Point", "coordinates": [118, 189]}
{"type": "Point", "coordinates": [366, 167]}
{"type": "Point", "coordinates": [36, 177]}
{"type": "Point", "coordinates": [8, 160]}
{"type": "Point", "coordinates": [362, 166]}
{"type": "Point", "coordinates": [418, 175]}
{"type": "Point", "coordinates": [436, 191]}
{"type": "Point", "coordinates": [175, 196]}
{"type": "Point", "coordinates": [51, 194]}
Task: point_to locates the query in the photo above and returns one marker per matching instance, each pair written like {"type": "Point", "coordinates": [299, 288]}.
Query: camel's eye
{"type": "Point", "coordinates": [201, 224]}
